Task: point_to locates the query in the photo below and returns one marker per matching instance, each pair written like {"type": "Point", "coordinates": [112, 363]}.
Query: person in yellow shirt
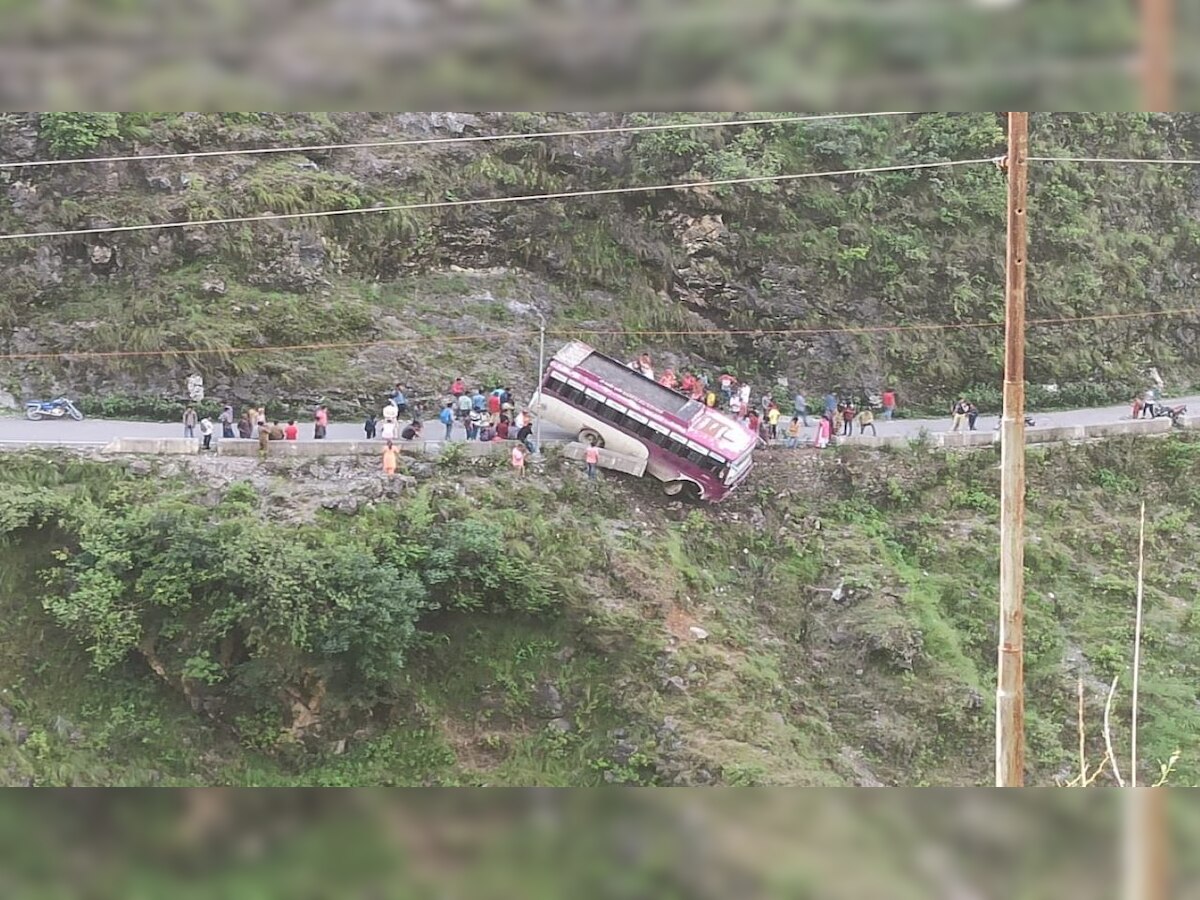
{"type": "Point", "coordinates": [866, 419]}
{"type": "Point", "coordinates": [794, 433]}
{"type": "Point", "coordinates": [773, 415]}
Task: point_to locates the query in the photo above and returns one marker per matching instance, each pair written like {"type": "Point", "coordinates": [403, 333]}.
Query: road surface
{"type": "Point", "coordinates": [101, 431]}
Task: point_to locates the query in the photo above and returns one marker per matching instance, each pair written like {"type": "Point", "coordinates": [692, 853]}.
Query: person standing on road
{"type": "Point", "coordinates": [264, 438]}
{"type": "Point", "coordinates": [446, 417]}
{"type": "Point", "coordinates": [226, 420]}
{"type": "Point", "coordinates": [369, 426]}
{"type": "Point", "coordinates": [800, 407]}
{"type": "Point", "coordinates": [958, 412]}
{"type": "Point", "coordinates": [206, 432]}
{"type": "Point", "coordinates": [1137, 406]}
{"type": "Point", "coordinates": [518, 459]}
{"type": "Point", "coordinates": [848, 414]}
{"type": "Point", "coordinates": [493, 407]}
{"type": "Point", "coordinates": [824, 431]}
{"type": "Point", "coordinates": [726, 383]}
{"type": "Point", "coordinates": [189, 422]}
{"type": "Point", "coordinates": [463, 405]}
{"type": "Point", "coordinates": [458, 388]}
{"type": "Point", "coordinates": [399, 400]}
{"type": "Point", "coordinates": [972, 415]}
{"type": "Point", "coordinates": [1148, 405]}
{"type": "Point", "coordinates": [889, 404]}
{"type": "Point", "coordinates": [773, 416]}
{"type": "Point", "coordinates": [246, 426]}
{"type": "Point", "coordinates": [866, 419]}
{"type": "Point", "coordinates": [320, 422]}
{"type": "Point", "coordinates": [831, 404]}
{"type": "Point", "coordinates": [390, 458]}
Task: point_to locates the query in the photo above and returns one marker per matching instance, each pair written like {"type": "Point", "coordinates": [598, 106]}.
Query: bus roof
{"type": "Point", "coordinates": [629, 381]}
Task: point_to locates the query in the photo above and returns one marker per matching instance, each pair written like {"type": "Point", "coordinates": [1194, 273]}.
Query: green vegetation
{"type": "Point", "coordinates": [898, 249]}
{"type": "Point", "coordinates": [834, 622]}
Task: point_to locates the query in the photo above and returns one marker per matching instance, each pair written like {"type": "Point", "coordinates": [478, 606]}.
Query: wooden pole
{"type": "Point", "coordinates": [1146, 858]}
{"type": "Point", "coordinates": [1010, 687]}
{"type": "Point", "coordinates": [1157, 63]}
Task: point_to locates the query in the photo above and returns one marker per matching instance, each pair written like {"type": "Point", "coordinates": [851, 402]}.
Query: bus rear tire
{"type": "Point", "coordinates": [587, 435]}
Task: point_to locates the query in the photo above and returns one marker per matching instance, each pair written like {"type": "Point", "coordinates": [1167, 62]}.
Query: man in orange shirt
{"type": "Point", "coordinates": [291, 433]}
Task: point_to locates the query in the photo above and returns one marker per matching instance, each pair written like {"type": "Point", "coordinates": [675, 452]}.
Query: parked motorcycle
{"type": "Point", "coordinates": [1161, 410]}
{"type": "Point", "coordinates": [52, 409]}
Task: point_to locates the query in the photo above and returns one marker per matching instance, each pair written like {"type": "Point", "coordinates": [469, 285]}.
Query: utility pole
{"type": "Point", "coordinates": [1010, 681]}
{"type": "Point", "coordinates": [1147, 863]}
{"type": "Point", "coordinates": [537, 424]}
{"type": "Point", "coordinates": [1157, 63]}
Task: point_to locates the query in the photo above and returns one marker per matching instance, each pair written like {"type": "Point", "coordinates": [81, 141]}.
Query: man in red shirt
{"type": "Point", "coordinates": [459, 387]}
{"type": "Point", "coordinates": [292, 432]}
{"type": "Point", "coordinates": [889, 403]}
{"type": "Point", "coordinates": [493, 407]}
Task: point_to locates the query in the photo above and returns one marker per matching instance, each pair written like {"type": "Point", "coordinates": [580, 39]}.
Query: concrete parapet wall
{"type": "Point", "coordinates": [883, 440]}
{"type": "Point", "coordinates": [954, 439]}
{"type": "Point", "coordinates": [156, 446]}
{"type": "Point", "coordinates": [1131, 426]}
{"type": "Point", "coordinates": [1054, 434]}
{"type": "Point", "coordinates": [618, 462]}
{"type": "Point", "coordinates": [314, 449]}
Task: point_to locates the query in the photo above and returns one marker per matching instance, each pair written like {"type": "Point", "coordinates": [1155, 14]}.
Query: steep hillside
{"type": "Point", "coordinates": [902, 248]}
{"type": "Point", "coordinates": [215, 621]}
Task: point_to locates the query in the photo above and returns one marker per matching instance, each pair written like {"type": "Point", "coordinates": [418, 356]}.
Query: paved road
{"type": "Point", "coordinates": [101, 431]}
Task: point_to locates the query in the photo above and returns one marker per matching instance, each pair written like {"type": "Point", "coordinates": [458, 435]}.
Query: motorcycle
{"type": "Point", "coordinates": [1161, 410]}
{"type": "Point", "coordinates": [52, 409]}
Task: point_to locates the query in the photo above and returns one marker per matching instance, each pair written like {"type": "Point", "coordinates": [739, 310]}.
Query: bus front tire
{"type": "Point", "coordinates": [685, 490]}
{"type": "Point", "coordinates": [587, 435]}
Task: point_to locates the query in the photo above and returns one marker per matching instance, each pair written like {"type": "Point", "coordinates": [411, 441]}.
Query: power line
{"type": "Point", "coordinates": [492, 201]}
{"type": "Point", "coordinates": [468, 139]}
{"type": "Point", "coordinates": [1116, 160]}
{"type": "Point", "coordinates": [591, 332]}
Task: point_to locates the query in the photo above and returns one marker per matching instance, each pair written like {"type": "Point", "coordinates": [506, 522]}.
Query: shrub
{"type": "Point", "coordinates": [73, 133]}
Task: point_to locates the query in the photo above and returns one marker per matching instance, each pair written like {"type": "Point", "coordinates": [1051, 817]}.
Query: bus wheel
{"type": "Point", "coordinates": [685, 490]}
{"type": "Point", "coordinates": [586, 435]}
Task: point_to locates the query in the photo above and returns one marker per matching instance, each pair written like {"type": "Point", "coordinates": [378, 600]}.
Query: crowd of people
{"type": "Point", "coordinates": [725, 392]}
{"type": "Point", "coordinates": [482, 414]}
{"type": "Point", "coordinates": [485, 414]}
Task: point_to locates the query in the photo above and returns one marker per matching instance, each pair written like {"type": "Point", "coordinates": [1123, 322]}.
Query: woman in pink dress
{"type": "Point", "coordinates": [824, 430]}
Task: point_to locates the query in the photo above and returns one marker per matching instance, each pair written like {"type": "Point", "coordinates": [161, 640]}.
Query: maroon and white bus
{"type": "Point", "coordinates": [687, 446]}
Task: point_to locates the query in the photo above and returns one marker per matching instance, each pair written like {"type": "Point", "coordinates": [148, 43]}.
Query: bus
{"type": "Point", "coordinates": [692, 449]}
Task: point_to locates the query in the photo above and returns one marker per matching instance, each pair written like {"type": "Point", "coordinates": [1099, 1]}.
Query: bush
{"type": "Point", "coordinates": [73, 133]}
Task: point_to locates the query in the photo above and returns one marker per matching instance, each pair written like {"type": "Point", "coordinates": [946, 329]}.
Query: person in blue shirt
{"type": "Point", "coordinates": [479, 401]}
{"type": "Point", "coordinates": [831, 403]}
{"type": "Point", "coordinates": [801, 407]}
{"type": "Point", "coordinates": [446, 417]}
{"type": "Point", "coordinates": [399, 400]}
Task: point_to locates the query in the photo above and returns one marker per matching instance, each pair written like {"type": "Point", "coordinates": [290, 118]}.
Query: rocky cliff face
{"type": "Point", "coordinates": [424, 295]}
